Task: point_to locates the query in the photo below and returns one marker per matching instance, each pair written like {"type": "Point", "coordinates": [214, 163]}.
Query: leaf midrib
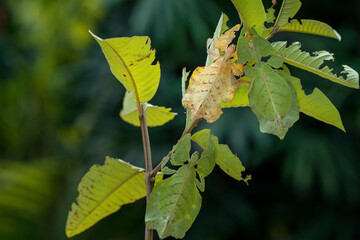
{"type": "Point", "coordinates": [316, 71]}
{"type": "Point", "coordinates": [130, 74]}
{"type": "Point", "coordinates": [177, 199]}
{"type": "Point", "coordinates": [106, 197]}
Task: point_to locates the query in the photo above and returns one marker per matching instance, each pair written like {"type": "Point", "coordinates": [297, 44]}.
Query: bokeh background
{"type": "Point", "coordinates": [59, 115]}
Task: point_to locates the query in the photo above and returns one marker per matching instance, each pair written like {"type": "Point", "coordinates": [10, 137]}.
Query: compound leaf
{"type": "Point", "coordinates": [102, 191]}
{"type": "Point", "coordinates": [130, 61]}
{"type": "Point", "coordinates": [252, 13]}
{"type": "Point", "coordinates": [155, 115]}
{"type": "Point", "coordinates": [174, 204]}
{"type": "Point", "coordinates": [310, 27]}
{"type": "Point", "coordinates": [294, 56]}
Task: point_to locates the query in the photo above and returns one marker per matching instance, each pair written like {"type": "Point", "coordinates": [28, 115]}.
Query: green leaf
{"type": "Point", "coordinates": [194, 158]}
{"type": "Point", "coordinates": [263, 47]}
{"type": "Point", "coordinates": [279, 126]}
{"type": "Point", "coordinates": [225, 159]}
{"type": "Point", "coordinates": [316, 104]}
{"type": "Point", "coordinates": [102, 191]}
{"type": "Point", "coordinates": [181, 151]}
{"type": "Point", "coordinates": [155, 115]}
{"type": "Point", "coordinates": [294, 56]}
{"type": "Point", "coordinates": [220, 29]}
{"type": "Point", "coordinates": [184, 78]}
{"type": "Point", "coordinates": [243, 50]}
{"type": "Point", "coordinates": [252, 13]}
{"type": "Point", "coordinates": [202, 138]}
{"type": "Point", "coordinates": [270, 93]}
{"type": "Point", "coordinates": [174, 204]}
{"type": "Point", "coordinates": [270, 15]}
{"type": "Point", "coordinates": [168, 171]}
{"type": "Point", "coordinates": [228, 162]}
{"type": "Point", "coordinates": [130, 61]}
{"type": "Point", "coordinates": [275, 61]}
{"type": "Point", "coordinates": [288, 10]}
{"type": "Point", "coordinates": [200, 183]}
{"type": "Point", "coordinates": [206, 163]}
{"type": "Point", "coordinates": [310, 27]}
{"type": "Point", "coordinates": [241, 98]}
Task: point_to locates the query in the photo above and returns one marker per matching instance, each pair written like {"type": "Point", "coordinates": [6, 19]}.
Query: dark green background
{"type": "Point", "coordinates": [59, 108]}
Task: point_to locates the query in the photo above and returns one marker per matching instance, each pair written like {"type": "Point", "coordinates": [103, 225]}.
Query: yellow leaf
{"type": "Point", "coordinates": [130, 61]}
{"type": "Point", "coordinates": [211, 85]}
{"type": "Point", "coordinates": [310, 27]}
{"type": "Point", "coordinates": [103, 190]}
{"type": "Point", "coordinates": [155, 115]}
{"type": "Point", "coordinates": [240, 99]}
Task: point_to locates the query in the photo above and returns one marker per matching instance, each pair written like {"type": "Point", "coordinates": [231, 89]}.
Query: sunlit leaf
{"type": "Point", "coordinates": [240, 99]}
{"type": "Point", "coordinates": [252, 13]}
{"type": "Point", "coordinates": [288, 10]}
{"type": "Point", "coordinates": [220, 29]}
{"type": "Point", "coordinates": [174, 204]}
{"type": "Point", "coordinates": [102, 191]}
{"type": "Point", "coordinates": [270, 15]}
{"type": "Point", "coordinates": [310, 27]}
{"type": "Point", "coordinates": [181, 151]}
{"type": "Point", "coordinates": [155, 115]}
{"type": "Point", "coordinates": [294, 56]}
{"type": "Point", "coordinates": [316, 104]}
{"type": "Point", "coordinates": [131, 62]}
{"type": "Point", "coordinates": [201, 137]}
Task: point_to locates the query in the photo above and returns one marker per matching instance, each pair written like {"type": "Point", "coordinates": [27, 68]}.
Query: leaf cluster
{"type": "Point", "coordinates": [243, 69]}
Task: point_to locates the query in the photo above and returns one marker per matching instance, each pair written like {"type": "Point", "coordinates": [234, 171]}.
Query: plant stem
{"type": "Point", "coordinates": [148, 162]}
{"type": "Point", "coordinates": [188, 130]}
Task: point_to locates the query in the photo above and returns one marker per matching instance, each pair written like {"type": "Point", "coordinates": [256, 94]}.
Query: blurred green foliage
{"type": "Point", "coordinates": [59, 115]}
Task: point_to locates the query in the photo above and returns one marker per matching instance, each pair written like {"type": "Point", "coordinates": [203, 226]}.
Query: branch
{"type": "Point", "coordinates": [148, 162]}
{"type": "Point", "coordinates": [189, 130]}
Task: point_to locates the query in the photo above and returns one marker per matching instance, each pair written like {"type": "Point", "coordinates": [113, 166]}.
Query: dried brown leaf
{"type": "Point", "coordinates": [211, 85]}
{"type": "Point", "coordinates": [208, 87]}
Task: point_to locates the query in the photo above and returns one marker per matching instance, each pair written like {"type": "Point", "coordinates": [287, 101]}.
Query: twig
{"type": "Point", "coordinates": [189, 130]}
